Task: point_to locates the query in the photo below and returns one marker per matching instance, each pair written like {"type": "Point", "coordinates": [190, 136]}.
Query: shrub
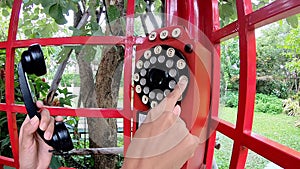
{"type": "Point", "coordinates": [230, 99]}
{"type": "Point", "coordinates": [291, 107]}
{"type": "Point", "coordinates": [268, 104]}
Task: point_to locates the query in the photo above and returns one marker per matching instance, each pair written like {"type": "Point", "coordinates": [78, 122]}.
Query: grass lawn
{"type": "Point", "coordinates": [280, 128]}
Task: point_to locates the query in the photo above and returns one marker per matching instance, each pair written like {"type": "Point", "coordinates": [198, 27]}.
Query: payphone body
{"type": "Point", "coordinates": [192, 61]}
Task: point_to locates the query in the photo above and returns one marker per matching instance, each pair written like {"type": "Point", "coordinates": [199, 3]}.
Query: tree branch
{"type": "Point", "coordinates": [62, 66]}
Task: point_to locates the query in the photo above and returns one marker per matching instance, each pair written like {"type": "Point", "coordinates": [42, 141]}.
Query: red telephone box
{"type": "Point", "coordinates": [204, 15]}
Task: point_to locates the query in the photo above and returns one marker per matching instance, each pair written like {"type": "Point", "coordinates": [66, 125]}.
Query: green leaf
{"type": "Point", "coordinates": [5, 12]}
{"type": "Point", "coordinates": [56, 12]}
{"type": "Point", "coordinates": [293, 21]}
{"type": "Point", "coordinates": [113, 12]}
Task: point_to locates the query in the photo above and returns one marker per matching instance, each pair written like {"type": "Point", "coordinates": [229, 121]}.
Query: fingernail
{"type": "Point", "coordinates": [47, 135]}
{"type": "Point", "coordinates": [177, 110]}
{"type": "Point", "coordinates": [34, 120]}
{"type": "Point", "coordinates": [182, 83]}
{"type": "Point", "coordinates": [43, 126]}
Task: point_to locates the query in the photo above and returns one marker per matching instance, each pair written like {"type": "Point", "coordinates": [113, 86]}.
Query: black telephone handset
{"type": "Point", "coordinates": [32, 62]}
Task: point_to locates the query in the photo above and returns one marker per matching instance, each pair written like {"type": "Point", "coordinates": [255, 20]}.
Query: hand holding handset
{"type": "Point", "coordinates": [32, 62]}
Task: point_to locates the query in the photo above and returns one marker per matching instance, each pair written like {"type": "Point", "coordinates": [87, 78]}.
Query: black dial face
{"type": "Point", "coordinates": [157, 73]}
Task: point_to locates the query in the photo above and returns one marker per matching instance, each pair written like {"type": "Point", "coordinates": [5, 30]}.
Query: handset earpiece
{"type": "Point", "coordinates": [32, 62]}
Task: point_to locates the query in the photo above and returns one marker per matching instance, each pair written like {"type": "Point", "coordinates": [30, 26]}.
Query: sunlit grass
{"type": "Point", "coordinates": [280, 128]}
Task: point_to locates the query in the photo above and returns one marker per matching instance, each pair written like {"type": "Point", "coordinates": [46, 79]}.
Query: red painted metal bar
{"type": "Point", "coordinates": [275, 152]}
{"type": "Point", "coordinates": [273, 12]}
{"type": "Point", "coordinates": [74, 40]}
{"type": "Point", "coordinates": [127, 72]}
{"type": "Point", "coordinates": [247, 84]}
{"type": "Point", "coordinates": [225, 128]}
{"type": "Point", "coordinates": [3, 45]}
{"type": "Point", "coordinates": [9, 80]}
{"type": "Point", "coordinates": [81, 112]}
{"type": "Point", "coordinates": [7, 161]}
{"type": "Point", "coordinates": [225, 33]}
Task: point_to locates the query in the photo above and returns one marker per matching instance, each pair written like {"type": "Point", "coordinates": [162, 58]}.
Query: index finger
{"type": "Point", "coordinates": [172, 98]}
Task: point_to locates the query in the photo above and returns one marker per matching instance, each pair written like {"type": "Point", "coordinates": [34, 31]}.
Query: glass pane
{"type": "Point", "coordinates": [230, 67]}
{"type": "Point", "coordinates": [222, 155]}
{"type": "Point", "coordinates": [277, 96]}
{"type": "Point", "coordinates": [5, 12]}
{"type": "Point", "coordinates": [227, 12]}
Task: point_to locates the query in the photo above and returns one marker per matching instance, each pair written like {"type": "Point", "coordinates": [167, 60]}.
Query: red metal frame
{"type": "Point", "coordinates": [204, 14]}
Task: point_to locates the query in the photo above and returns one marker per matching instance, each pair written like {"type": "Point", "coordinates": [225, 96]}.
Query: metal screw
{"type": "Point", "coordinates": [147, 54]}
{"type": "Point", "coordinates": [138, 89]}
{"type": "Point", "coordinates": [145, 99]}
{"type": "Point", "coordinates": [153, 104]}
{"type": "Point", "coordinates": [139, 64]}
{"type": "Point", "coordinates": [157, 49]}
{"type": "Point", "coordinates": [152, 36]}
{"type": "Point", "coordinates": [136, 77]}
{"type": "Point", "coordinates": [176, 32]}
{"type": "Point", "coordinates": [170, 52]}
{"type": "Point", "coordinates": [181, 64]}
{"type": "Point", "coordinates": [164, 34]}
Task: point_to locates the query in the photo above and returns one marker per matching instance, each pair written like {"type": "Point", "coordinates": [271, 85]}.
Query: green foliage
{"type": "Point", "coordinates": [70, 78]}
{"type": "Point", "coordinates": [227, 10]}
{"type": "Point", "coordinates": [230, 99]}
{"type": "Point", "coordinates": [279, 128]}
{"type": "Point", "coordinates": [230, 65]}
{"type": "Point", "coordinates": [268, 104]}
{"type": "Point", "coordinates": [66, 100]}
{"type": "Point", "coordinates": [113, 13]}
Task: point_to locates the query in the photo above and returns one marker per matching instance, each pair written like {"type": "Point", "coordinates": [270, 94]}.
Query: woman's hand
{"type": "Point", "coordinates": [33, 151]}
{"type": "Point", "coordinates": [162, 141]}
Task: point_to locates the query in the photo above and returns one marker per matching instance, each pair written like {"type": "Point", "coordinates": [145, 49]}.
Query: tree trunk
{"type": "Point", "coordinates": [103, 132]}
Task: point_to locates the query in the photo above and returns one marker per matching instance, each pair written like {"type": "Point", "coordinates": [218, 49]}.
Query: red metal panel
{"type": "Point", "coordinates": [273, 12]}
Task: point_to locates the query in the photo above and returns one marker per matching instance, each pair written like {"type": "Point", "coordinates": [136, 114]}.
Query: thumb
{"type": "Point", "coordinates": [28, 128]}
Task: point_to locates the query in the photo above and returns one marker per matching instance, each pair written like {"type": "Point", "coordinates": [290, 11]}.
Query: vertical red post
{"type": "Point", "coordinates": [9, 80]}
{"type": "Point", "coordinates": [127, 72]}
{"type": "Point", "coordinates": [247, 86]}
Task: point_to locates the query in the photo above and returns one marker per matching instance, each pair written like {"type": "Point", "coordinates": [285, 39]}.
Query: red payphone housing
{"type": "Point", "coordinates": [172, 53]}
